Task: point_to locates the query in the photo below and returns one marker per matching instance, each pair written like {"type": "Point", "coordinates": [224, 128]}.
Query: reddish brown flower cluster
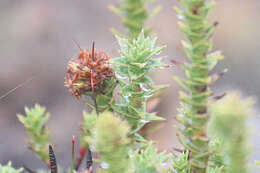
{"type": "Point", "coordinates": [88, 72]}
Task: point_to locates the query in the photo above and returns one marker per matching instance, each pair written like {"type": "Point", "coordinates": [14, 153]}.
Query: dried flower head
{"type": "Point", "coordinates": [88, 72]}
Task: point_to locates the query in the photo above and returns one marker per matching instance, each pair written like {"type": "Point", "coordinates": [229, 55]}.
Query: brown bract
{"type": "Point", "coordinates": [88, 72]}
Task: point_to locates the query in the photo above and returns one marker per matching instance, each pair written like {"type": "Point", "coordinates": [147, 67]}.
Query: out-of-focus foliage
{"type": "Point", "coordinates": [87, 127]}
{"type": "Point", "coordinates": [215, 170]}
{"type": "Point", "coordinates": [136, 87]}
{"type": "Point", "coordinates": [110, 139]}
{"type": "Point", "coordinates": [217, 159]}
{"type": "Point", "coordinates": [229, 124]}
{"type": "Point", "coordinates": [9, 169]}
{"type": "Point", "coordinates": [134, 15]}
{"type": "Point", "coordinates": [35, 124]}
{"type": "Point", "coordinates": [258, 163]}
{"type": "Point", "coordinates": [215, 164]}
{"type": "Point", "coordinates": [193, 113]}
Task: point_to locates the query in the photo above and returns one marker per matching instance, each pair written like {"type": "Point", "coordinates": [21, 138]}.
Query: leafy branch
{"type": "Point", "coordinates": [193, 112]}
{"type": "Point", "coordinates": [135, 86]}
{"type": "Point", "coordinates": [35, 124]}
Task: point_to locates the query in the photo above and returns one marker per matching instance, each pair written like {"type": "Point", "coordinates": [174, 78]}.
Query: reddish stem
{"type": "Point", "coordinates": [82, 153]}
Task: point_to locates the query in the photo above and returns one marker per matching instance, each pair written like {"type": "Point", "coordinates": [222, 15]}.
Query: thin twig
{"type": "Point", "coordinates": [81, 156]}
{"type": "Point", "coordinates": [95, 103]}
{"type": "Point", "coordinates": [178, 150]}
{"type": "Point", "coordinates": [28, 169]}
{"type": "Point", "coordinates": [73, 155]}
{"type": "Point", "coordinates": [15, 88]}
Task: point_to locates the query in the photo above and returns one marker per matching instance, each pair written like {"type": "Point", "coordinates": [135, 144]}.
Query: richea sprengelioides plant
{"type": "Point", "coordinates": [212, 129]}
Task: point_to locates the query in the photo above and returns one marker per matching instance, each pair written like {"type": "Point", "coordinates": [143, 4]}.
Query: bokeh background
{"type": "Point", "coordinates": [36, 40]}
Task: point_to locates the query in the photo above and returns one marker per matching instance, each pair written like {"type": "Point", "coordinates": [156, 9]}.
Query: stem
{"type": "Point", "coordinates": [28, 169]}
{"type": "Point", "coordinates": [83, 150]}
{"type": "Point", "coordinates": [73, 155]}
{"type": "Point", "coordinates": [80, 158]}
{"type": "Point", "coordinates": [95, 103]}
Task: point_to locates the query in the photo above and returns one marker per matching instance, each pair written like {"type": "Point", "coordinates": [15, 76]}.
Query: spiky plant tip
{"type": "Point", "coordinates": [88, 73]}
{"type": "Point", "coordinates": [136, 87]}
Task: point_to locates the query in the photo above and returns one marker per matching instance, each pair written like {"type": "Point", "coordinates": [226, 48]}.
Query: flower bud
{"type": "Point", "coordinates": [88, 72]}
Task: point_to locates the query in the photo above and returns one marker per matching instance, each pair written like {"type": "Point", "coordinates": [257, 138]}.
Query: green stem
{"type": "Point", "coordinates": [95, 103]}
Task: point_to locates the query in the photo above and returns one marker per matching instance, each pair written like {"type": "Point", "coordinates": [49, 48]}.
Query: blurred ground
{"type": "Point", "coordinates": [36, 39]}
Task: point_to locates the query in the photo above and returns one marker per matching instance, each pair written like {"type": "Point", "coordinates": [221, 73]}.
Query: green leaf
{"type": "Point", "coordinates": [214, 58]}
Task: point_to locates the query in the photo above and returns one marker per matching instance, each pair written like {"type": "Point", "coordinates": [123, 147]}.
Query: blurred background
{"type": "Point", "coordinates": [36, 40]}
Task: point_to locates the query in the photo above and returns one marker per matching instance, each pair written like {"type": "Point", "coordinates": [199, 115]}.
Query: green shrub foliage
{"type": "Point", "coordinates": [135, 86]}
{"type": "Point", "coordinates": [229, 124]}
{"type": "Point", "coordinates": [213, 133]}
{"type": "Point", "coordinates": [34, 121]}
{"type": "Point", "coordinates": [193, 112]}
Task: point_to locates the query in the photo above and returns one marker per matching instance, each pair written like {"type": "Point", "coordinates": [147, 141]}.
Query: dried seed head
{"type": "Point", "coordinates": [88, 72]}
